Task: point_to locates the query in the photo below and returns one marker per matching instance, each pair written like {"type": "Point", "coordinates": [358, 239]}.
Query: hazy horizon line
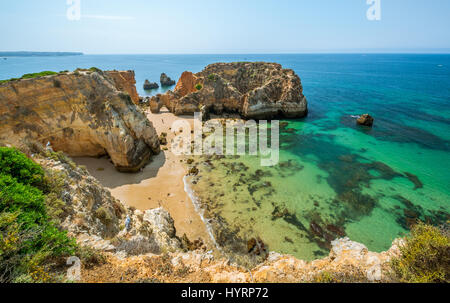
{"type": "Point", "coordinates": [442, 51]}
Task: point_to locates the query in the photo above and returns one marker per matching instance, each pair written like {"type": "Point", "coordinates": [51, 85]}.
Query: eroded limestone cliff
{"type": "Point", "coordinates": [256, 90]}
{"type": "Point", "coordinates": [125, 81]}
{"type": "Point", "coordinates": [96, 219]}
{"type": "Point", "coordinates": [83, 113]}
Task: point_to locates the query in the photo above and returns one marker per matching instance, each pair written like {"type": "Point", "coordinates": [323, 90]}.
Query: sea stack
{"type": "Point", "coordinates": [150, 85]}
{"type": "Point", "coordinates": [256, 90]}
{"type": "Point", "coordinates": [166, 80]}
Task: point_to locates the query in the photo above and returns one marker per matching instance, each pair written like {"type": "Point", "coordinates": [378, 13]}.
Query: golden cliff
{"type": "Point", "coordinates": [84, 113]}
{"type": "Point", "coordinates": [125, 81]}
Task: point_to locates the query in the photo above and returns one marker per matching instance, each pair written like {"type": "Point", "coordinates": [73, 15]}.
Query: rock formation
{"type": "Point", "coordinates": [254, 90]}
{"type": "Point", "coordinates": [150, 85]}
{"type": "Point", "coordinates": [348, 262]}
{"type": "Point", "coordinates": [166, 81]}
{"type": "Point", "coordinates": [365, 120]}
{"type": "Point", "coordinates": [81, 113]}
{"type": "Point", "coordinates": [125, 81]}
{"type": "Point", "coordinates": [96, 219]}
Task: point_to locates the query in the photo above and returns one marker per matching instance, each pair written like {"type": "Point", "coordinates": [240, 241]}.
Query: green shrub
{"type": "Point", "coordinates": [90, 257]}
{"type": "Point", "coordinates": [41, 74]}
{"type": "Point", "coordinates": [425, 257]}
{"type": "Point", "coordinates": [30, 76]}
{"type": "Point", "coordinates": [61, 157]}
{"type": "Point", "coordinates": [23, 199]}
{"type": "Point", "coordinates": [55, 207]}
{"type": "Point", "coordinates": [18, 166]}
{"type": "Point", "coordinates": [94, 69]}
{"type": "Point", "coordinates": [28, 238]}
{"type": "Point", "coordinates": [212, 77]}
{"type": "Point", "coordinates": [104, 215]}
{"type": "Point", "coordinates": [199, 86]}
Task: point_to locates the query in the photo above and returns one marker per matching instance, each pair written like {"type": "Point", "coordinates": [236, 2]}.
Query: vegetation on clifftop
{"type": "Point", "coordinates": [30, 76]}
{"type": "Point", "coordinates": [29, 238]}
{"type": "Point", "coordinates": [425, 257]}
{"type": "Point", "coordinates": [50, 73]}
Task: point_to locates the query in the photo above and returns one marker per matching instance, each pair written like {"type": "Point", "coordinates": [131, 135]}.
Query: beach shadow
{"type": "Point", "coordinates": [104, 171]}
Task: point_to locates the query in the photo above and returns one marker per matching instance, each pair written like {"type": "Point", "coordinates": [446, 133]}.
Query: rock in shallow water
{"type": "Point", "coordinates": [365, 120]}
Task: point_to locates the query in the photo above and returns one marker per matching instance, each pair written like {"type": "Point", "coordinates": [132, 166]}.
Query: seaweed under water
{"type": "Point", "coordinates": [249, 201]}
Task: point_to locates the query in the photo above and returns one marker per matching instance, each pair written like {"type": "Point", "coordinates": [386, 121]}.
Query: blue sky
{"type": "Point", "coordinates": [226, 26]}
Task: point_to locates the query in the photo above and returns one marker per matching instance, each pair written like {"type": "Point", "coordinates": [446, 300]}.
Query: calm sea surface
{"type": "Point", "coordinates": [334, 178]}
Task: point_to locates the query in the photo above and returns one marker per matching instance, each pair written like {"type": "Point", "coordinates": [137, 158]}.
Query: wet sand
{"type": "Point", "coordinates": [160, 184]}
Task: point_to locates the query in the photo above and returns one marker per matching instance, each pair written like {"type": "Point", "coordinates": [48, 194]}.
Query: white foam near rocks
{"type": "Point", "coordinates": [197, 206]}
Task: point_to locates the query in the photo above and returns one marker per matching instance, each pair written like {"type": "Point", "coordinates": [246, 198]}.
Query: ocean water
{"type": "Point", "coordinates": [334, 178]}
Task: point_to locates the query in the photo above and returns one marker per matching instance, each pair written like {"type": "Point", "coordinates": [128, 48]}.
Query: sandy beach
{"type": "Point", "coordinates": [160, 184]}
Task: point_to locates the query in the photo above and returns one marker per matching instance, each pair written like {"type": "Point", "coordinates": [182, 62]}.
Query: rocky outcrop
{"type": "Point", "coordinates": [125, 81]}
{"type": "Point", "coordinates": [82, 114]}
{"type": "Point", "coordinates": [158, 101]}
{"type": "Point", "coordinates": [348, 262]}
{"type": "Point", "coordinates": [150, 85]}
{"type": "Point", "coordinates": [186, 84]}
{"type": "Point", "coordinates": [96, 219]}
{"type": "Point", "coordinates": [365, 120]}
{"type": "Point", "coordinates": [254, 90]}
{"type": "Point", "coordinates": [166, 80]}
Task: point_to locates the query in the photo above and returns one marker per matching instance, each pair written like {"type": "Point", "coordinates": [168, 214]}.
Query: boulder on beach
{"type": "Point", "coordinates": [166, 80]}
{"type": "Point", "coordinates": [150, 85]}
{"type": "Point", "coordinates": [365, 120]}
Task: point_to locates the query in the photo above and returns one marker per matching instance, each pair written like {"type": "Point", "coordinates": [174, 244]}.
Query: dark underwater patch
{"type": "Point", "coordinates": [389, 130]}
{"type": "Point", "coordinates": [415, 180]}
{"type": "Point", "coordinates": [411, 213]}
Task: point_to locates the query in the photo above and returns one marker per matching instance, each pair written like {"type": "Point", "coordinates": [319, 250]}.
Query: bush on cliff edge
{"type": "Point", "coordinates": [28, 238]}
{"type": "Point", "coordinates": [425, 257]}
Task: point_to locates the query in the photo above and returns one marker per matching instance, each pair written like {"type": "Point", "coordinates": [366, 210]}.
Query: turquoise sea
{"type": "Point", "coordinates": [334, 178]}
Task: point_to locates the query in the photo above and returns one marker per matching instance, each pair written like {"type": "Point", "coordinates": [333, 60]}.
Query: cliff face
{"type": "Point", "coordinates": [254, 90]}
{"type": "Point", "coordinates": [96, 219]}
{"type": "Point", "coordinates": [82, 114]}
{"type": "Point", "coordinates": [348, 262]}
{"type": "Point", "coordinates": [125, 81]}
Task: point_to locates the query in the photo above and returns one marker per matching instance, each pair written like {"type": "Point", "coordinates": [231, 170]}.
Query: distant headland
{"type": "Point", "coordinates": [39, 54]}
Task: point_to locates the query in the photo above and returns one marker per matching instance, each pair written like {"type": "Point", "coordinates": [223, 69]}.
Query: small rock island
{"type": "Point", "coordinates": [254, 90]}
{"type": "Point", "coordinates": [166, 80]}
{"type": "Point", "coordinates": [150, 85]}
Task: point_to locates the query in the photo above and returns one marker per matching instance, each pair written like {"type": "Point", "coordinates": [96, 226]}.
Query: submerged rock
{"type": "Point", "coordinates": [415, 180]}
{"type": "Point", "coordinates": [365, 120]}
